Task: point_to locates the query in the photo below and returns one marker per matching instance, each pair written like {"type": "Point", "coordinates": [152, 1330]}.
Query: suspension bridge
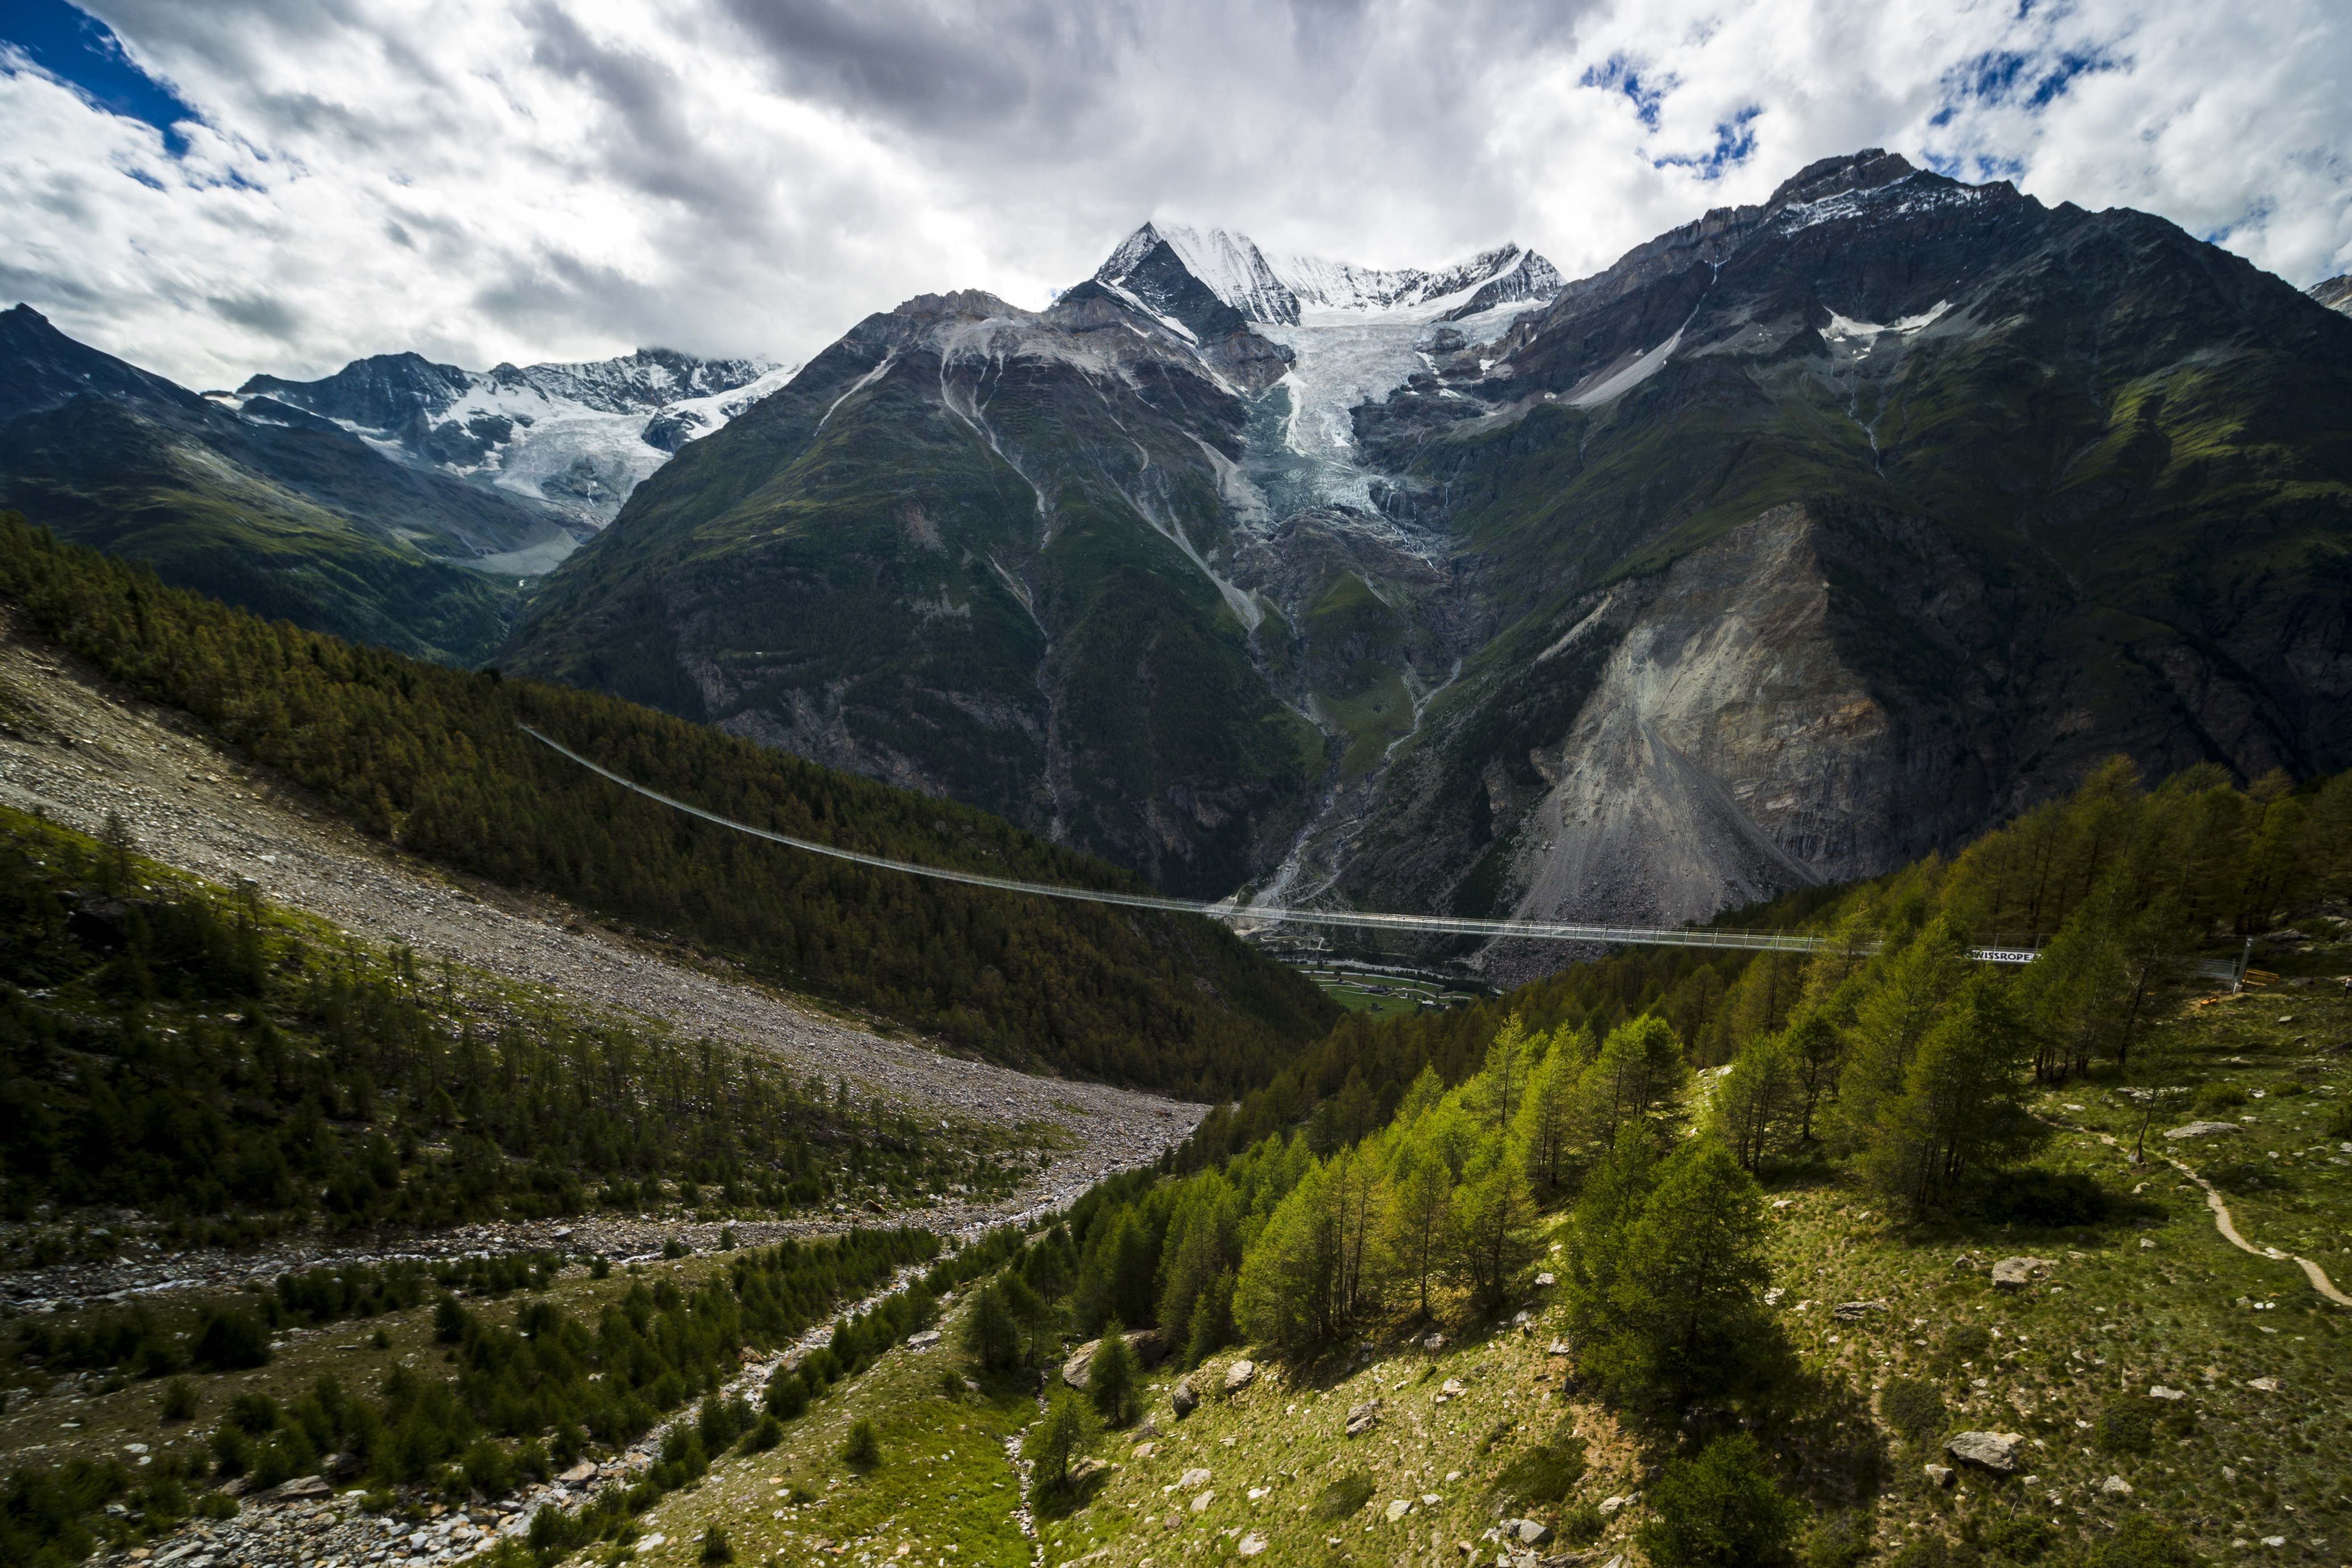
{"type": "Point", "coordinates": [1232, 913]}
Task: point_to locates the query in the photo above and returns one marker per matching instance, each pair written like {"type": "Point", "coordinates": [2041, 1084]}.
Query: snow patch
{"type": "Point", "coordinates": [1631, 376]}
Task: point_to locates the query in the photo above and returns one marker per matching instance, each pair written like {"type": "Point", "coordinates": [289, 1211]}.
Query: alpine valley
{"type": "Point", "coordinates": [1807, 538]}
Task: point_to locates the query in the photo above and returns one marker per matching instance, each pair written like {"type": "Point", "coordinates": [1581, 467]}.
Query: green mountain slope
{"type": "Point", "coordinates": [963, 551]}
{"type": "Point", "coordinates": [268, 507]}
{"type": "Point", "coordinates": [432, 758]}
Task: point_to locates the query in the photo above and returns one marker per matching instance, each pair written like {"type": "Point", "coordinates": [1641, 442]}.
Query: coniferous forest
{"type": "Point", "coordinates": [432, 758]}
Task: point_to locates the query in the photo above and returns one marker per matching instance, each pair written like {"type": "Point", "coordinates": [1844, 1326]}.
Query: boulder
{"type": "Point", "coordinates": [585, 1471]}
{"type": "Point", "coordinates": [2017, 1273]}
{"type": "Point", "coordinates": [1995, 1451]}
{"type": "Point", "coordinates": [1558, 1347]}
{"type": "Point", "coordinates": [1398, 1508]}
{"type": "Point", "coordinates": [1192, 1477]}
{"type": "Point", "coordinates": [2160, 1392]}
{"type": "Point", "coordinates": [1525, 1531]}
{"type": "Point", "coordinates": [1362, 1418]}
{"type": "Point", "coordinates": [1250, 1545]}
{"type": "Point", "coordinates": [1144, 1343]}
{"type": "Point", "coordinates": [2203, 1130]}
{"type": "Point", "coordinates": [299, 1488]}
{"type": "Point", "coordinates": [1181, 1398]}
{"type": "Point", "coordinates": [1200, 1503]}
{"type": "Point", "coordinates": [1144, 1450]}
{"type": "Point", "coordinates": [1240, 1375]}
{"type": "Point", "coordinates": [1940, 1474]}
{"type": "Point", "coordinates": [1433, 1342]}
{"type": "Point", "coordinates": [1088, 1467]}
{"type": "Point", "coordinates": [2116, 1486]}
{"type": "Point", "coordinates": [1612, 1506]}
{"type": "Point", "coordinates": [1855, 1311]}
{"type": "Point", "coordinates": [1546, 1282]}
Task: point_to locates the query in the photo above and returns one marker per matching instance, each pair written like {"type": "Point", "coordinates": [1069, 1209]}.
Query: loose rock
{"type": "Point", "coordinates": [1240, 1375]}
{"type": "Point", "coordinates": [1994, 1451]}
{"type": "Point", "coordinates": [2203, 1130]}
{"type": "Point", "coordinates": [2016, 1273]}
{"type": "Point", "coordinates": [1941, 1475]}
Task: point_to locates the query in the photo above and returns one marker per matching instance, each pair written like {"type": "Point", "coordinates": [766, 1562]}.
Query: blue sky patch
{"type": "Point", "coordinates": [75, 47]}
{"type": "Point", "coordinates": [1735, 143]}
{"type": "Point", "coordinates": [2033, 80]}
{"type": "Point", "coordinates": [1623, 75]}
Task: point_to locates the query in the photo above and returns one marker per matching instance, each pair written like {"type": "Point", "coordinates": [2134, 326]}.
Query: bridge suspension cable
{"type": "Point", "coordinates": [1230, 911]}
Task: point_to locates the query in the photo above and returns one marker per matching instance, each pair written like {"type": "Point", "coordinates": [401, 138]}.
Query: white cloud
{"type": "Point", "coordinates": [525, 179]}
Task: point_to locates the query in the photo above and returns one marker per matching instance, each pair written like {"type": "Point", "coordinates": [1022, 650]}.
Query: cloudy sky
{"type": "Point", "coordinates": [284, 184]}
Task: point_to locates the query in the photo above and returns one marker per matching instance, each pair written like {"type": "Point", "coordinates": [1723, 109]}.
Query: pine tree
{"type": "Point", "coordinates": [1758, 1106]}
{"type": "Point", "coordinates": [990, 1335]}
{"type": "Point", "coordinates": [1413, 1229]}
{"type": "Point", "coordinates": [1489, 1216]}
{"type": "Point", "coordinates": [1912, 986]}
{"type": "Point", "coordinates": [1111, 1377]}
{"type": "Point", "coordinates": [1211, 1326]}
{"type": "Point", "coordinates": [1963, 1103]}
{"type": "Point", "coordinates": [1066, 1428]}
{"type": "Point", "coordinates": [1690, 1282]}
{"type": "Point", "coordinates": [1546, 1127]}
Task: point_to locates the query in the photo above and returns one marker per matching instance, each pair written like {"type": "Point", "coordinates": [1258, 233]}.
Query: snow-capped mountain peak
{"type": "Point", "coordinates": [1271, 289]}
{"type": "Point", "coordinates": [579, 437]}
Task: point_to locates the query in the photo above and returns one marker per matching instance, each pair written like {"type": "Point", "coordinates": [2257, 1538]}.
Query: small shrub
{"type": "Point", "coordinates": [715, 1546]}
{"type": "Point", "coordinates": [488, 1469]}
{"type": "Point", "coordinates": [2288, 1087]}
{"type": "Point", "coordinates": [1840, 1541]}
{"type": "Point", "coordinates": [600, 1267]}
{"type": "Point", "coordinates": [2047, 1198]}
{"type": "Point", "coordinates": [450, 1322]}
{"type": "Point", "coordinates": [788, 1397]}
{"type": "Point", "coordinates": [727, 1239]}
{"type": "Point", "coordinates": [2339, 1125]}
{"type": "Point", "coordinates": [676, 1247]}
{"type": "Point", "coordinates": [232, 1451]}
{"type": "Point", "coordinates": [2021, 1539]}
{"type": "Point", "coordinates": [2140, 1543]}
{"type": "Point", "coordinates": [2219, 1096]}
{"type": "Point", "coordinates": [179, 1402]}
{"type": "Point", "coordinates": [380, 1340]}
{"type": "Point", "coordinates": [1583, 1525]}
{"type": "Point", "coordinates": [1343, 1497]}
{"type": "Point", "coordinates": [254, 1413]}
{"type": "Point", "coordinates": [216, 1505]}
{"type": "Point", "coordinates": [1914, 1409]}
{"type": "Point", "coordinates": [1721, 1510]}
{"type": "Point", "coordinates": [230, 1340]}
{"type": "Point", "coordinates": [863, 1451]}
{"type": "Point", "coordinates": [764, 1436]}
{"type": "Point", "coordinates": [1935, 1551]}
{"type": "Point", "coordinates": [1548, 1472]}
{"type": "Point", "coordinates": [1962, 1342]}
{"type": "Point", "coordinates": [2126, 1426]}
